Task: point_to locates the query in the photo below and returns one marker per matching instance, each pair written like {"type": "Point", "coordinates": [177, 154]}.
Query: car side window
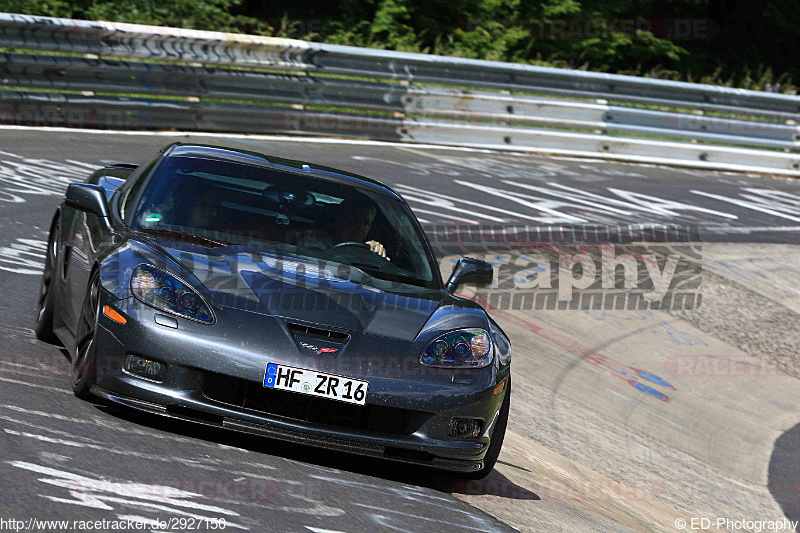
{"type": "Point", "coordinates": [138, 178]}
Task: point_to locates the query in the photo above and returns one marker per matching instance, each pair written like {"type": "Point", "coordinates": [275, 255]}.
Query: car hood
{"type": "Point", "coordinates": [309, 292]}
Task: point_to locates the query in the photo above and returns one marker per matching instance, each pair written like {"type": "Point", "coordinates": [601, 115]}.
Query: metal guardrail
{"type": "Point", "coordinates": [62, 72]}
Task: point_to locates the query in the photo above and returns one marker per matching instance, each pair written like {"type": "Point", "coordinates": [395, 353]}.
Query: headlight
{"type": "Point", "coordinates": [463, 348]}
{"type": "Point", "coordinates": [162, 291]}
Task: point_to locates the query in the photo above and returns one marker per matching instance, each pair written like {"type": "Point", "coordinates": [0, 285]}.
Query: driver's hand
{"type": "Point", "coordinates": [378, 248]}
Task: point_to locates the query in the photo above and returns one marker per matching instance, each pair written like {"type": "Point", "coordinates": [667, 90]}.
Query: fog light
{"type": "Point", "coordinates": [464, 427]}
{"type": "Point", "coordinates": [144, 368]}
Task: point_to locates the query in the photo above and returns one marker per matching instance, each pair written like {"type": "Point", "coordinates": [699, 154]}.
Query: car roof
{"type": "Point", "coordinates": [292, 166]}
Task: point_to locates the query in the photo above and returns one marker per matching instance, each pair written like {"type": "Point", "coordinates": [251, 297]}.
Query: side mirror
{"type": "Point", "coordinates": [469, 270]}
{"type": "Point", "coordinates": [87, 197]}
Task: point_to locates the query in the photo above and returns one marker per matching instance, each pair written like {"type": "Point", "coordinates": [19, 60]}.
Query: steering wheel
{"type": "Point", "coordinates": [350, 243]}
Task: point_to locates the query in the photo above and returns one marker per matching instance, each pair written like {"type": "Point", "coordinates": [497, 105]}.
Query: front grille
{"type": "Point", "coordinates": [317, 333]}
{"type": "Point", "coordinates": [253, 396]}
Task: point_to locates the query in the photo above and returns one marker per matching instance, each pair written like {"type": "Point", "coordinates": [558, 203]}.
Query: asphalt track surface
{"type": "Point", "coordinates": [61, 458]}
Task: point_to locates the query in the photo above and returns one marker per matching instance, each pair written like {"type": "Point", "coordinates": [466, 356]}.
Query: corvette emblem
{"type": "Point", "coordinates": [318, 350]}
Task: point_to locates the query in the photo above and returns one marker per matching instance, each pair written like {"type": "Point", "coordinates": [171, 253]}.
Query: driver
{"type": "Point", "coordinates": [356, 224]}
{"type": "Point", "coordinates": [204, 211]}
{"type": "Point", "coordinates": [350, 223]}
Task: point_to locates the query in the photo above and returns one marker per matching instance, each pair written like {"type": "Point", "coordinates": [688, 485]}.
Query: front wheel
{"type": "Point", "coordinates": [84, 362]}
{"type": "Point", "coordinates": [496, 443]}
{"type": "Point", "coordinates": [44, 317]}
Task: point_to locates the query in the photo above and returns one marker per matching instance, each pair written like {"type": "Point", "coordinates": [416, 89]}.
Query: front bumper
{"type": "Point", "coordinates": [192, 354]}
{"type": "Point", "coordinates": [384, 448]}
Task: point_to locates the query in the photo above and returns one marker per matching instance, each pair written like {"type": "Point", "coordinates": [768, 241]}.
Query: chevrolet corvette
{"type": "Point", "coordinates": [274, 297]}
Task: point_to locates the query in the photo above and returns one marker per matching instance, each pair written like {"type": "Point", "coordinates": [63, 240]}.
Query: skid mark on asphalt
{"type": "Point", "coordinates": [639, 405]}
{"type": "Point", "coordinates": [633, 376]}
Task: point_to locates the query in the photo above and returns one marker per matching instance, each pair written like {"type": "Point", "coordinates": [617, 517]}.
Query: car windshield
{"type": "Point", "coordinates": [219, 203]}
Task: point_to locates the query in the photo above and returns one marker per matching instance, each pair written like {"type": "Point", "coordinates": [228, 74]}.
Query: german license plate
{"type": "Point", "coordinates": [316, 383]}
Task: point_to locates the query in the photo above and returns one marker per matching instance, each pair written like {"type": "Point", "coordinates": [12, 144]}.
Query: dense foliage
{"type": "Point", "coordinates": [744, 43]}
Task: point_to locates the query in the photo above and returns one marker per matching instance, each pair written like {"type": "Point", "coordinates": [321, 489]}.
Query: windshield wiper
{"type": "Point", "coordinates": [184, 236]}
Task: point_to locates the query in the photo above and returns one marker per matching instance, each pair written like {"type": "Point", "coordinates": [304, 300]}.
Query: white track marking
{"type": "Point", "coordinates": [317, 508]}
{"type": "Point", "coordinates": [635, 203]}
{"type": "Point", "coordinates": [100, 494]}
{"type": "Point", "coordinates": [36, 385]}
{"type": "Point", "coordinates": [750, 229]}
{"type": "Point", "coordinates": [450, 200]}
{"type": "Point", "coordinates": [54, 431]}
{"type": "Point", "coordinates": [442, 215]}
{"type": "Point", "coordinates": [24, 372]}
{"type": "Point", "coordinates": [413, 495]}
{"type": "Point", "coordinates": [52, 416]}
{"type": "Point", "coordinates": [663, 207]}
{"type": "Point", "coordinates": [107, 424]}
{"type": "Point", "coordinates": [777, 196]}
{"type": "Point", "coordinates": [63, 442]}
{"type": "Point", "coordinates": [21, 176]}
{"type": "Point", "coordinates": [749, 204]}
{"type": "Point", "coordinates": [576, 197]}
{"type": "Point", "coordinates": [543, 205]}
{"type": "Point", "coordinates": [481, 524]}
{"type": "Point", "coordinates": [204, 463]}
{"type": "Point", "coordinates": [41, 366]}
{"type": "Point", "coordinates": [444, 203]}
{"type": "Point", "coordinates": [23, 256]}
{"type": "Point", "coordinates": [407, 492]}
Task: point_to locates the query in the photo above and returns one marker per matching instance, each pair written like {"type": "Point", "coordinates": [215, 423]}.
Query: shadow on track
{"type": "Point", "coordinates": [494, 485]}
{"type": "Point", "coordinates": [784, 473]}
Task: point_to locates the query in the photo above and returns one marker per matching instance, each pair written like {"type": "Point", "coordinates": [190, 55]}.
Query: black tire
{"type": "Point", "coordinates": [496, 443]}
{"type": "Point", "coordinates": [47, 303]}
{"type": "Point", "coordinates": [84, 362]}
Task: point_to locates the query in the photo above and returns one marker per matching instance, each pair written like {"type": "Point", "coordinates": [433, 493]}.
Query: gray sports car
{"type": "Point", "coordinates": [274, 297]}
